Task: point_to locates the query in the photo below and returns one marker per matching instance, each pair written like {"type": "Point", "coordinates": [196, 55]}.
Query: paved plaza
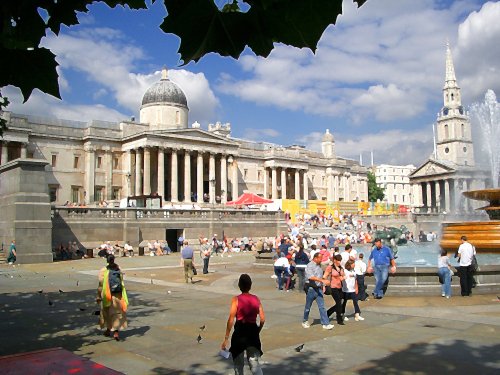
{"type": "Point", "coordinates": [400, 334]}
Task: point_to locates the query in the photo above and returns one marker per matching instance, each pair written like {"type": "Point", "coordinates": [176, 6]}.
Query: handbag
{"type": "Point", "coordinates": [474, 265]}
{"type": "Point", "coordinates": [328, 290]}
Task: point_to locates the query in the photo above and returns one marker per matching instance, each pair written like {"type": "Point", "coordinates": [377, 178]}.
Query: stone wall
{"type": "Point", "coordinates": [25, 210]}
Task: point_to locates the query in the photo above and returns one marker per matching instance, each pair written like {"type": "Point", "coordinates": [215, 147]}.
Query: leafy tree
{"type": "Point", "coordinates": [374, 192]}
{"type": "Point", "coordinates": [202, 26]}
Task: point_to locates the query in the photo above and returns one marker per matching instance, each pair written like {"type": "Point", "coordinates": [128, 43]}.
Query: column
{"type": "Point", "coordinates": [345, 183]}
{"type": "Point", "coordinates": [109, 173]}
{"type": "Point", "coordinates": [199, 177]}
{"type": "Point", "coordinates": [329, 185]}
{"type": "Point", "coordinates": [161, 172]}
{"type": "Point", "coordinates": [138, 175]}
{"type": "Point", "coordinates": [297, 184]}
{"type": "Point", "coordinates": [358, 194]}
{"type": "Point", "coordinates": [187, 176]}
{"type": "Point", "coordinates": [266, 183]}
{"type": "Point", "coordinates": [223, 179]}
{"type": "Point", "coordinates": [89, 174]}
{"type": "Point", "coordinates": [128, 173]}
{"type": "Point", "coordinates": [437, 193]}
{"type": "Point", "coordinates": [429, 197]}
{"type": "Point", "coordinates": [466, 187]}
{"type": "Point", "coordinates": [24, 150]}
{"type": "Point", "coordinates": [306, 186]}
{"type": "Point", "coordinates": [234, 180]}
{"type": "Point", "coordinates": [147, 171]}
{"type": "Point", "coordinates": [274, 184]}
{"type": "Point", "coordinates": [211, 177]}
{"type": "Point", "coordinates": [5, 152]}
{"type": "Point", "coordinates": [283, 183]}
{"type": "Point", "coordinates": [447, 196]}
{"type": "Point", "coordinates": [174, 187]}
{"type": "Point", "coordinates": [336, 184]}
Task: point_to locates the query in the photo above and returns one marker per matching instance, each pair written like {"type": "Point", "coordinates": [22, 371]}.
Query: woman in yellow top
{"type": "Point", "coordinates": [112, 296]}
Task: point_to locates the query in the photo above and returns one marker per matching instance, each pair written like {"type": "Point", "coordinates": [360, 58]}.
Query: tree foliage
{"type": "Point", "coordinates": [374, 192]}
{"type": "Point", "coordinates": [201, 25]}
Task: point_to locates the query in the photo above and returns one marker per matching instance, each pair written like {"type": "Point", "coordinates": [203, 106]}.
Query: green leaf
{"type": "Point", "coordinates": [204, 28]}
{"type": "Point", "coordinates": [29, 69]}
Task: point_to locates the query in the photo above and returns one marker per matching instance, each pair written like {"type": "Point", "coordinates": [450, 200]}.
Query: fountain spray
{"type": "Point", "coordinates": [487, 115]}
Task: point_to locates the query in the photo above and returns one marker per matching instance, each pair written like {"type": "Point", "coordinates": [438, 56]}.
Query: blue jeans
{"type": "Point", "coordinates": [445, 274]}
{"type": "Point", "coordinates": [278, 271]}
{"type": "Point", "coordinates": [316, 294]}
{"type": "Point", "coordinates": [381, 272]}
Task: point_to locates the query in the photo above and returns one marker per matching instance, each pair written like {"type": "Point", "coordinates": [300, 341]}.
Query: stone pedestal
{"type": "Point", "coordinates": [25, 210]}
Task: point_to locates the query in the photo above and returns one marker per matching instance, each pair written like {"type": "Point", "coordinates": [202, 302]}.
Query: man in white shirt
{"type": "Point", "coordinates": [466, 253]}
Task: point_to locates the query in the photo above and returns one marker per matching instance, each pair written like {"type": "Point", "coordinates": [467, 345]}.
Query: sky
{"type": "Point", "coordinates": [375, 80]}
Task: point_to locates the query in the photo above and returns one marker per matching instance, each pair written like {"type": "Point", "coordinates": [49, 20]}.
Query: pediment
{"type": "Point", "coordinates": [430, 168]}
{"type": "Point", "coordinates": [197, 135]}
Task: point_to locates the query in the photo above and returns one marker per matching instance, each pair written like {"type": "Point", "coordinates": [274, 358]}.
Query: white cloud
{"type": "Point", "coordinates": [477, 53]}
{"type": "Point", "coordinates": [108, 62]}
{"type": "Point", "coordinates": [399, 147]}
{"type": "Point", "coordinates": [383, 61]}
{"type": "Point", "coordinates": [264, 134]}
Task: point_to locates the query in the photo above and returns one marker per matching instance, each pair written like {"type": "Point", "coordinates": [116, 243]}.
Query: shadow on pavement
{"type": "Point", "coordinates": [35, 321]}
{"type": "Point", "coordinates": [455, 357]}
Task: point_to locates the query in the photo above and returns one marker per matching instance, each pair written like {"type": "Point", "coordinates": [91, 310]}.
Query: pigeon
{"type": "Point", "coordinates": [77, 282]}
{"type": "Point", "coordinates": [299, 348]}
{"type": "Point", "coordinates": [97, 312]}
{"type": "Point", "coordinates": [40, 291]}
{"type": "Point", "coordinates": [199, 338]}
{"type": "Point", "coordinates": [82, 309]}
{"type": "Point", "coordinates": [51, 303]}
{"type": "Point", "coordinates": [202, 328]}
{"type": "Point", "coordinates": [61, 291]}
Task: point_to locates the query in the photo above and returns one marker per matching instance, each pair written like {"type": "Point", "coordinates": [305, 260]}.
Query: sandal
{"type": "Point", "coordinates": [115, 336]}
{"type": "Point", "coordinates": [107, 333]}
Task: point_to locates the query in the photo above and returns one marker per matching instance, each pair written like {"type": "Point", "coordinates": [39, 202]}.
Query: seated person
{"type": "Point", "coordinates": [151, 249]}
{"type": "Point", "coordinates": [157, 248]}
{"type": "Point", "coordinates": [166, 249]}
{"type": "Point", "coordinates": [128, 250]}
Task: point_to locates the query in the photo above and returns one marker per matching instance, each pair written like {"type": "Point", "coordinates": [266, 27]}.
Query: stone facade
{"type": "Point", "coordinates": [396, 183]}
{"type": "Point", "coordinates": [161, 154]}
{"type": "Point", "coordinates": [437, 185]}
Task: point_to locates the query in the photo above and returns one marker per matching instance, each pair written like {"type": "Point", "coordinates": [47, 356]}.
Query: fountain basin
{"type": "Point", "coordinates": [484, 235]}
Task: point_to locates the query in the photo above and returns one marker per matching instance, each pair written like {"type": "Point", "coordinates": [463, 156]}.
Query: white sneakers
{"type": "Point", "coordinates": [346, 319]}
{"type": "Point", "coordinates": [325, 326]}
{"type": "Point", "coordinates": [358, 317]}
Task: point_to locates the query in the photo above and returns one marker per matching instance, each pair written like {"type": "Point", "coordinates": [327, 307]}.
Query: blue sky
{"type": "Point", "coordinates": [375, 80]}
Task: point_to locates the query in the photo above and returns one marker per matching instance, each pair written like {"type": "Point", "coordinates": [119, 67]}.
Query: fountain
{"type": "Point", "coordinates": [484, 235]}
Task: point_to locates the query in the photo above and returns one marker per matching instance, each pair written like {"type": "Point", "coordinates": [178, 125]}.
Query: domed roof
{"type": "Point", "coordinates": [328, 137]}
{"type": "Point", "coordinates": [164, 92]}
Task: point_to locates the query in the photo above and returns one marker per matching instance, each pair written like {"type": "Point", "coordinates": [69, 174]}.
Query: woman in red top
{"type": "Point", "coordinates": [335, 273]}
{"type": "Point", "coordinates": [245, 308]}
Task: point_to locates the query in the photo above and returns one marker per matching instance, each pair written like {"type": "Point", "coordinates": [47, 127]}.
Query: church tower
{"type": "Point", "coordinates": [454, 135]}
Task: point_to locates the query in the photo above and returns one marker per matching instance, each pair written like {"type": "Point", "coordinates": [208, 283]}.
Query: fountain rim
{"type": "Point", "coordinates": [489, 195]}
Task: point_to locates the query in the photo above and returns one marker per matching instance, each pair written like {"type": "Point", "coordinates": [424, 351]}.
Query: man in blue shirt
{"type": "Point", "coordinates": [380, 259]}
{"type": "Point", "coordinates": [187, 259]}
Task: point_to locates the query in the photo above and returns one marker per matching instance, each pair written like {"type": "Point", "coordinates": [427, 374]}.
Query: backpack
{"type": "Point", "coordinates": [115, 281]}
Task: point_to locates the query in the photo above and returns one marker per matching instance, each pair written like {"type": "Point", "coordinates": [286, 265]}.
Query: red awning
{"type": "Point", "coordinates": [249, 199]}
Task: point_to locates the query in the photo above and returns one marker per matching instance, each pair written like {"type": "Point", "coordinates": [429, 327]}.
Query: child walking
{"type": "Point", "coordinates": [350, 289]}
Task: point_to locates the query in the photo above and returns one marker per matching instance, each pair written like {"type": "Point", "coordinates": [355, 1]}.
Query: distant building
{"type": "Point", "coordinates": [438, 183]}
{"type": "Point", "coordinates": [396, 182]}
{"type": "Point", "coordinates": [161, 154]}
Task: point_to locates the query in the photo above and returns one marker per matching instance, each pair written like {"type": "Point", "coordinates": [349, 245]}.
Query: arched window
{"type": "Point", "coordinates": [463, 130]}
{"type": "Point", "coordinates": [452, 97]}
{"type": "Point", "coordinates": [446, 132]}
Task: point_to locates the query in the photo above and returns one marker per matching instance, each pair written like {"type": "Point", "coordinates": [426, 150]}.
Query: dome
{"type": "Point", "coordinates": [328, 137]}
{"type": "Point", "coordinates": [164, 92]}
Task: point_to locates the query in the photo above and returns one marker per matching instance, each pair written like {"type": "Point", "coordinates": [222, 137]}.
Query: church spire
{"type": "Point", "coordinates": [450, 79]}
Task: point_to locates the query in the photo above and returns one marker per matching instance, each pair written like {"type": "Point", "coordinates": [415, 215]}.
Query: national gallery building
{"type": "Point", "coordinates": [161, 154]}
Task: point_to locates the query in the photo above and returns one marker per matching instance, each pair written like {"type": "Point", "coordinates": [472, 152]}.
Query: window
{"type": "Point", "coordinates": [462, 126]}
{"type": "Point", "coordinates": [116, 193]}
{"type": "Point", "coordinates": [116, 162]}
{"type": "Point", "coordinates": [322, 180]}
{"type": "Point", "coordinates": [259, 175]}
{"type": "Point", "coordinates": [76, 161]}
{"type": "Point", "coordinates": [452, 97]}
{"type": "Point", "coordinates": [99, 162]}
{"type": "Point", "coordinates": [75, 194]}
{"type": "Point", "coordinates": [99, 193]}
{"type": "Point", "coordinates": [446, 150]}
{"type": "Point", "coordinates": [465, 149]}
{"type": "Point", "coordinates": [53, 192]}
{"type": "Point", "coordinates": [245, 173]}
{"type": "Point", "coordinates": [54, 161]}
{"type": "Point", "coordinates": [395, 198]}
{"type": "Point", "coordinates": [446, 132]}
{"type": "Point", "coordinates": [403, 198]}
